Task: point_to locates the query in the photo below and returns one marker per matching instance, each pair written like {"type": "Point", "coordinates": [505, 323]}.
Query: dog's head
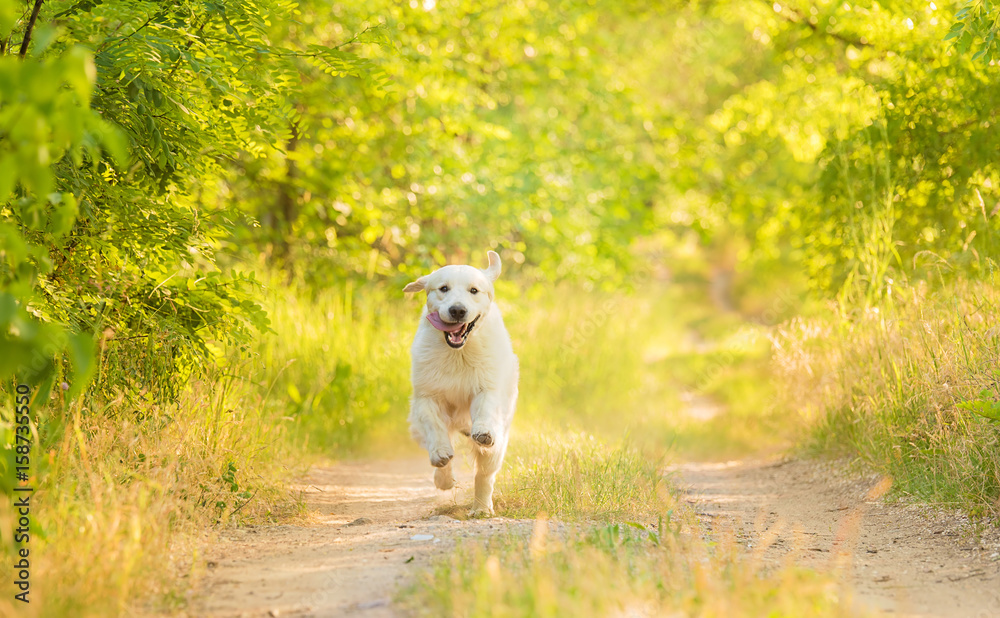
{"type": "Point", "coordinates": [458, 297]}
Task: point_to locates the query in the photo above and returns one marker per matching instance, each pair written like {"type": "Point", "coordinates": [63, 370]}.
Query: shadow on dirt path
{"type": "Point", "coordinates": [904, 560]}
{"type": "Point", "coordinates": [371, 527]}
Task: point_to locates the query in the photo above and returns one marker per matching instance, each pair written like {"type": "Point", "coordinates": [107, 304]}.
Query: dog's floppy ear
{"type": "Point", "coordinates": [493, 271]}
{"type": "Point", "coordinates": [416, 286]}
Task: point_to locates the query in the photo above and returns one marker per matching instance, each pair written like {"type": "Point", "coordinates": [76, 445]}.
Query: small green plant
{"type": "Point", "coordinates": [229, 482]}
{"type": "Point", "coordinates": [985, 405]}
{"type": "Point", "coordinates": [613, 535]}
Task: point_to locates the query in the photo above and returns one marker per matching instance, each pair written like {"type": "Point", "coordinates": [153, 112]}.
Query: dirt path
{"type": "Point", "coordinates": [903, 560]}
{"type": "Point", "coordinates": [372, 526]}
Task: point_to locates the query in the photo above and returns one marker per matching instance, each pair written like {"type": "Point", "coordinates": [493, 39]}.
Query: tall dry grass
{"type": "Point", "coordinates": [897, 386]}
{"type": "Point", "coordinates": [123, 494]}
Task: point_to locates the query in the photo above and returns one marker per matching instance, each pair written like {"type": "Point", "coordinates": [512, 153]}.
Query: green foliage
{"type": "Point", "coordinates": [984, 405]}
{"type": "Point", "coordinates": [113, 129]}
{"type": "Point", "coordinates": [353, 141]}
{"type": "Point", "coordinates": [44, 119]}
{"type": "Point", "coordinates": [385, 139]}
{"type": "Point", "coordinates": [976, 26]}
{"type": "Point", "coordinates": [854, 141]}
{"type": "Point", "coordinates": [337, 365]}
{"type": "Point", "coordinates": [154, 155]}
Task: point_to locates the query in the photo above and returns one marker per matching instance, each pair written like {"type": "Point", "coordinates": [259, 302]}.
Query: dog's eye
{"type": "Point", "coordinates": [443, 288]}
{"type": "Point", "coordinates": [474, 291]}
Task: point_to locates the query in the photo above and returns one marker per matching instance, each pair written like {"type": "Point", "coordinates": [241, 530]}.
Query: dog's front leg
{"type": "Point", "coordinates": [427, 425]}
{"type": "Point", "coordinates": [487, 423]}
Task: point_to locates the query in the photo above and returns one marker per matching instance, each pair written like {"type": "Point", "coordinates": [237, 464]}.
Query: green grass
{"type": "Point", "coordinates": [574, 475]}
{"type": "Point", "coordinates": [337, 366]}
{"type": "Point", "coordinates": [622, 364]}
{"type": "Point", "coordinates": [607, 364]}
{"type": "Point", "coordinates": [730, 376]}
{"type": "Point", "coordinates": [896, 388]}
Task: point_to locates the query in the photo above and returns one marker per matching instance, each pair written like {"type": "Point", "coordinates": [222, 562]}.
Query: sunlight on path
{"type": "Point", "coordinates": [371, 527]}
{"type": "Point", "coordinates": [907, 560]}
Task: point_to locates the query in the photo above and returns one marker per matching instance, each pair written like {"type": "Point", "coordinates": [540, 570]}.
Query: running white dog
{"type": "Point", "coordinates": [464, 374]}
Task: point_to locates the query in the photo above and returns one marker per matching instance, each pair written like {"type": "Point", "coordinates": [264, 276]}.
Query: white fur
{"type": "Point", "coordinates": [471, 390]}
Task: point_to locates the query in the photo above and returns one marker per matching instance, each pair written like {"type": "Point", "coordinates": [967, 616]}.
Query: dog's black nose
{"type": "Point", "coordinates": [457, 312]}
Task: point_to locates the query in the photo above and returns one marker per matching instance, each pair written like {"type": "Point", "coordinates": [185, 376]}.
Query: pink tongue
{"type": "Point", "coordinates": [440, 325]}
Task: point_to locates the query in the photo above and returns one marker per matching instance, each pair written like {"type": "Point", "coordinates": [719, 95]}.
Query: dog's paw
{"type": "Point", "coordinates": [484, 438]}
{"type": "Point", "coordinates": [443, 479]}
{"type": "Point", "coordinates": [440, 457]}
{"type": "Point", "coordinates": [481, 513]}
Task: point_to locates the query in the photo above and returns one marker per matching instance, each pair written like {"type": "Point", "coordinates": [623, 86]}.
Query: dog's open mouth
{"type": "Point", "coordinates": [455, 333]}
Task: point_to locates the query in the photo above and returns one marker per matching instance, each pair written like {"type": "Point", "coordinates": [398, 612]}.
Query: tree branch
{"type": "Point", "coordinates": [31, 26]}
{"type": "Point", "coordinates": [797, 17]}
{"type": "Point", "coordinates": [190, 42]}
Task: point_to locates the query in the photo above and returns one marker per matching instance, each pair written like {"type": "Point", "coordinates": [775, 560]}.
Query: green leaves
{"type": "Point", "coordinates": [44, 116]}
{"type": "Point", "coordinates": [47, 131]}
{"type": "Point", "coordinates": [985, 406]}
{"type": "Point", "coordinates": [852, 144]}
{"type": "Point", "coordinates": [976, 26]}
{"type": "Point", "coordinates": [9, 13]}
{"type": "Point", "coordinates": [105, 156]}
{"type": "Point", "coordinates": [82, 358]}
{"type": "Point", "coordinates": [80, 7]}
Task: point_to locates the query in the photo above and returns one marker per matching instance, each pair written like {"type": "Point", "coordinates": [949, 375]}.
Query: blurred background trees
{"type": "Point", "coordinates": [155, 157]}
